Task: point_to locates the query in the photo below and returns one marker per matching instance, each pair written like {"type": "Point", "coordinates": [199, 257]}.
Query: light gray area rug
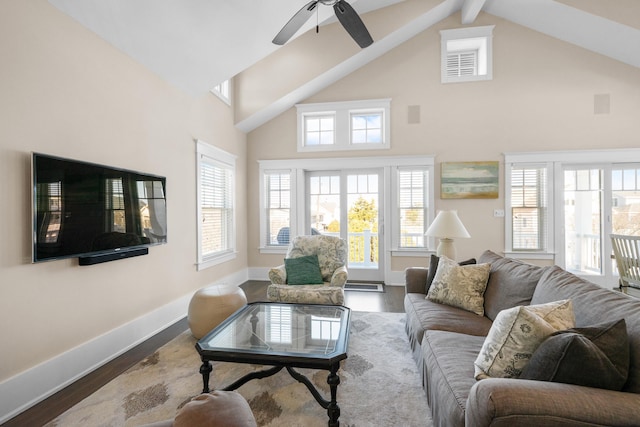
{"type": "Point", "coordinates": [380, 385]}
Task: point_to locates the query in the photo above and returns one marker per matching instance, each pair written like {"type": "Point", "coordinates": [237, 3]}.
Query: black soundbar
{"type": "Point", "coordinates": [116, 254]}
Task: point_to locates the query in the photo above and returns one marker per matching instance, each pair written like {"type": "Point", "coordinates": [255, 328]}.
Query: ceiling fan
{"type": "Point", "coordinates": [347, 16]}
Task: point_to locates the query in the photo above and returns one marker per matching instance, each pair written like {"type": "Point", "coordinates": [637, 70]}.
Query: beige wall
{"type": "Point", "coordinates": [66, 92]}
{"type": "Point", "coordinates": [541, 98]}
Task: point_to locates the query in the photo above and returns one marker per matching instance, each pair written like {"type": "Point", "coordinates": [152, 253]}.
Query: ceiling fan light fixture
{"type": "Point", "coordinates": [347, 16]}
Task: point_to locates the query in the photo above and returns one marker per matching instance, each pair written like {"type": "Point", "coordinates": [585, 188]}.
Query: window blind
{"type": "Point", "coordinates": [412, 196]}
{"type": "Point", "coordinates": [529, 208]}
{"type": "Point", "coordinates": [216, 206]}
{"type": "Point", "coordinates": [462, 63]}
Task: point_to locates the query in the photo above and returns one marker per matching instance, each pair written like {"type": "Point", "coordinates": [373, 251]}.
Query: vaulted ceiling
{"type": "Point", "coordinates": [196, 44]}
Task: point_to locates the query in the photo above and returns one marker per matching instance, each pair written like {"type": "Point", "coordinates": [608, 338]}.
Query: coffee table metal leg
{"type": "Point", "coordinates": [333, 410]}
{"type": "Point", "coordinates": [205, 370]}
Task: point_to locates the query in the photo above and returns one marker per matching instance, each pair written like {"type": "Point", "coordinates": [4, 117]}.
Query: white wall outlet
{"type": "Point", "coordinates": [498, 213]}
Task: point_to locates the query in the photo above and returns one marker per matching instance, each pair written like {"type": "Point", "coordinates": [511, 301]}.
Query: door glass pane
{"type": "Point", "coordinates": [324, 204]}
{"type": "Point", "coordinates": [583, 220]}
{"type": "Point", "coordinates": [362, 229]}
{"type": "Point", "coordinates": [625, 211]}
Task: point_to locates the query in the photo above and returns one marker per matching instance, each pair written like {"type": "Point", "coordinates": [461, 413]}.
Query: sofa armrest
{"type": "Point", "coordinates": [339, 277]}
{"type": "Point", "coordinates": [278, 275]}
{"type": "Point", "coordinates": [415, 280]}
{"type": "Point", "coordinates": [502, 402]}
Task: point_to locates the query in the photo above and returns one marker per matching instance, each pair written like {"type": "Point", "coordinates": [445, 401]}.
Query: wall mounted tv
{"type": "Point", "coordinates": [94, 212]}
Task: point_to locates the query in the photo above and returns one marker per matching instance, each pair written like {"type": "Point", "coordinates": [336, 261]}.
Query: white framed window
{"type": "Point", "coordinates": [367, 127]}
{"type": "Point", "coordinates": [528, 207]}
{"type": "Point", "coordinates": [223, 91]}
{"type": "Point", "coordinates": [277, 197]}
{"type": "Point", "coordinates": [563, 205]}
{"type": "Point", "coordinates": [467, 54]}
{"type": "Point", "coordinates": [319, 129]}
{"type": "Point", "coordinates": [413, 201]}
{"type": "Point", "coordinates": [216, 205]}
{"type": "Point", "coordinates": [408, 198]}
{"type": "Point", "coordinates": [349, 125]}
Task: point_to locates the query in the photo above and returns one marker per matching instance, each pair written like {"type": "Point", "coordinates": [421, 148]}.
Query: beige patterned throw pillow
{"type": "Point", "coordinates": [460, 286]}
{"type": "Point", "coordinates": [516, 333]}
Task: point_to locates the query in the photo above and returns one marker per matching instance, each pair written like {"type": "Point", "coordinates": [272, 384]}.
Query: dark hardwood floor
{"type": "Point", "coordinates": [391, 300]}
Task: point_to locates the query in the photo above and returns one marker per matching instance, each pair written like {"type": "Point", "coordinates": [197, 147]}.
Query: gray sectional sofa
{"type": "Point", "coordinates": [446, 341]}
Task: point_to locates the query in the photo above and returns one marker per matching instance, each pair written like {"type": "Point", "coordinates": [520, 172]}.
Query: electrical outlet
{"type": "Point", "coordinates": [498, 213]}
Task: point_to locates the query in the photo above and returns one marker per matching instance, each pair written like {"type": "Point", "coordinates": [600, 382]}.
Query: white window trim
{"type": "Point", "coordinates": [396, 249]}
{"type": "Point", "coordinates": [224, 159]}
{"type": "Point", "coordinates": [549, 252]}
{"type": "Point", "coordinates": [554, 160]}
{"type": "Point", "coordinates": [342, 126]}
{"type": "Point", "coordinates": [298, 169]}
{"type": "Point", "coordinates": [464, 39]}
{"type": "Point", "coordinates": [266, 247]}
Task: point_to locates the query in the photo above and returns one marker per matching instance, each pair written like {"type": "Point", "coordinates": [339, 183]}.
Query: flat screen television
{"type": "Point", "coordinates": [94, 212]}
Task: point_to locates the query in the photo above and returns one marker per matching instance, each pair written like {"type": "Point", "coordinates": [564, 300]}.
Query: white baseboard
{"type": "Point", "coordinates": [27, 388]}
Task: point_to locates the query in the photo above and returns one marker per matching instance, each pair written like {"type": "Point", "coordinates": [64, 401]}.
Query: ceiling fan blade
{"type": "Point", "coordinates": [294, 24]}
{"type": "Point", "coordinates": [351, 22]}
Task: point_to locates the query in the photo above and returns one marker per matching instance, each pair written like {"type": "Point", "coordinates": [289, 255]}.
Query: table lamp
{"type": "Point", "coordinates": [446, 227]}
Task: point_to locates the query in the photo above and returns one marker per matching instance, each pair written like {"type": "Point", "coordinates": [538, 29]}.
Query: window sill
{"type": "Point", "coordinates": [216, 260]}
{"type": "Point", "coordinates": [274, 249]}
{"type": "Point", "coordinates": [421, 253]}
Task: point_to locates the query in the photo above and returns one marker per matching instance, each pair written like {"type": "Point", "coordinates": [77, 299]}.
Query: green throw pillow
{"type": "Point", "coordinates": [304, 270]}
{"type": "Point", "coordinates": [596, 356]}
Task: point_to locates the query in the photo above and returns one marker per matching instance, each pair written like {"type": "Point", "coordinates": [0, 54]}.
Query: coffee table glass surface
{"type": "Point", "coordinates": [281, 336]}
{"type": "Point", "coordinates": [268, 331]}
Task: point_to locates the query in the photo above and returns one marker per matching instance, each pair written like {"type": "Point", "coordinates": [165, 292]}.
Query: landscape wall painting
{"type": "Point", "coordinates": [469, 180]}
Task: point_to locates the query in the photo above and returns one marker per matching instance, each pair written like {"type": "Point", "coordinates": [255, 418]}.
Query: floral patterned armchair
{"type": "Point", "coordinates": [332, 257]}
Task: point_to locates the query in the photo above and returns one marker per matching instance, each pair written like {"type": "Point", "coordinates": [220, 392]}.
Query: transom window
{"type": "Point", "coordinates": [366, 128]}
{"type": "Point", "coordinates": [467, 54]}
{"type": "Point", "coordinates": [350, 125]}
{"type": "Point", "coordinates": [319, 129]}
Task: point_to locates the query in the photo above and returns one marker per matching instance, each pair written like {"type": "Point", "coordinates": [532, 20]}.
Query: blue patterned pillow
{"type": "Point", "coordinates": [304, 270]}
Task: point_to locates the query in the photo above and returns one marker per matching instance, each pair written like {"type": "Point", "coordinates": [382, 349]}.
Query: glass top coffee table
{"type": "Point", "coordinates": [282, 336]}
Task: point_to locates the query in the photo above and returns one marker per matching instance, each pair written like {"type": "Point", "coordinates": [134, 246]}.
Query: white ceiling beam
{"type": "Point", "coordinates": [574, 26]}
{"type": "Point", "coordinates": [471, 9]}
{"type": "Point", "coordinates": [361, 58]}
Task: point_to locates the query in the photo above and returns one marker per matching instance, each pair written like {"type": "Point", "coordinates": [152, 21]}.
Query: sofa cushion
{"type": "Point", "coordinates": [448, 359]}
{"type": "Point", "coordinates": [596, 356]}
{"type": "Point", "coordinates": [515, 335]}
{"type": "Point", "coordinates": [303, 270]}
{"type": "Point", "coordinates": [433, 267]}
{"type": "Point", "coordinates": [592, 304]}
{"type": "Point", "coordinates": [511, 283]}
{"type": "Point", "coordinates": [423, 315]}
{"type": "Point", "coordinates": [460, 286]}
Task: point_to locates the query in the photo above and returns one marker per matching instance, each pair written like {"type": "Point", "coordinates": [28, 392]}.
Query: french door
{"type": "Point", "coordinates": [598, 200]}
{"type": "Point", "coordinates": [347, 203]}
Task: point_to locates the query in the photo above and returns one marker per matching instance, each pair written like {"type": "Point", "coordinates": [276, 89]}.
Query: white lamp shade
{"type": "Point", "coordinates": [447, 225]}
